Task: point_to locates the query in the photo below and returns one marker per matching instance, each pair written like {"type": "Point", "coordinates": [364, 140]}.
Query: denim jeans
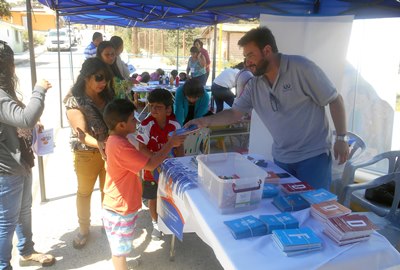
{"type": "Point", "coordinates": [15, 215]}
{"type": "Point", "coordinates": [316, 171]}
{"type": "Point", "coordinates": [221, 95]}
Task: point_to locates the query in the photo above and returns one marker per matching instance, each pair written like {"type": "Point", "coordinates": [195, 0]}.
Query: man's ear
{"type": "Point", "coordinates": [267, 50]}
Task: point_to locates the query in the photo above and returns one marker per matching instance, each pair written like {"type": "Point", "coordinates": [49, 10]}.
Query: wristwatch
{"type": "Point", "coordinates": [342, 138]}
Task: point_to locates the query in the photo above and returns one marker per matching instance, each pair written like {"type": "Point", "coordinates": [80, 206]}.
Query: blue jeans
{"type": "Point", "coordinates": [317, 171]}
{"type": "Point", "coordinates": [15, 215]}
{"type": "Point", "coordinates": [221, 95]}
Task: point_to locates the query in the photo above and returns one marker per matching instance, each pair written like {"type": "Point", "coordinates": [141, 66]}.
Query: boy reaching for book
{"type": "Point", "coordinates": [123, 189]}
{"type": "Point", "coordinates": [152, 135]}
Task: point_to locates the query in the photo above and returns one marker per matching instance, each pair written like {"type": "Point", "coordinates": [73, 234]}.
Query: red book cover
{"type": "Point", "coordinates": [297, 187]}
{"type": "Point", "coordinates": [351, 226]}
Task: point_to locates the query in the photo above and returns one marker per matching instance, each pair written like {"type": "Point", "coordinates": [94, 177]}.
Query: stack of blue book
{"type": "Point", "coordinates": [270, 190]}
{"type": "Point", "coordinates": [245, 227]}
{"type": "Point", "coordinates": [290, 203]}
{"type": "Point", "coordinates": [296, 241]}
{"type": "Point", "coordinates": [279, 221]}
{"type": "Point", "coordinates": [318, 196]}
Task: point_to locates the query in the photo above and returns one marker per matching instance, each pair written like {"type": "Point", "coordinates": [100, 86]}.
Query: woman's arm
{"type": "Point", "coordinates": [202, 60]}
{"type": "Point", "coordinates": [78, 122]}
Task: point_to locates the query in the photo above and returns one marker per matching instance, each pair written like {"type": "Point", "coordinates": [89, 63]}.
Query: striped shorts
{"type": "Point", "coordinates": [120, 230]}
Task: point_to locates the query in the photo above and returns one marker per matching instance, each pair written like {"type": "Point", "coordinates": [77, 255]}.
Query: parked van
{"type": "Point", "coordinates": [51, 40]}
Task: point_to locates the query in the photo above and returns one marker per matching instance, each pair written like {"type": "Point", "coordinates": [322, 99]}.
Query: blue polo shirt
{"type": "Point", "coordinates": [293, 109]}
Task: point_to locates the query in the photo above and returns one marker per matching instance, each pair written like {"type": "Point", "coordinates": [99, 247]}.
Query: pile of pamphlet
{"type": "Point", "coordinates": [318, 196]}
{"type": "Point", "coordinates": [279, 221]}
{"type": "Point", "coordinates": [247, 226]}
{"type": "Point", "coordinates": [329, 209]}
{"type": "Point", "coordinates": [349, 229]}
{"type": "Point", "coordinates": [296, 241]}
{"type": "Point", "coordinates": [290, 203]}
{"type": "Point", "coordinates": [297, 187]}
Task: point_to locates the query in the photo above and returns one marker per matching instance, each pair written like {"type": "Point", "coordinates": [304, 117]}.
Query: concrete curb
{"type": "Point", "coordinates": [23, 58]}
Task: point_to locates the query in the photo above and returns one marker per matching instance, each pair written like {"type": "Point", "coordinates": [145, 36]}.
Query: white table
{"type": "Point", "coordinates": [202, 217]}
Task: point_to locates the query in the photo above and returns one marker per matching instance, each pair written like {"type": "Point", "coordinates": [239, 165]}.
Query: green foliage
{"type": "Point", "coordinates": [37, 39]}
{"type": "Point", "coordinates": [4, 9]}
{"type": "Point", "coordinates": [188, 34]}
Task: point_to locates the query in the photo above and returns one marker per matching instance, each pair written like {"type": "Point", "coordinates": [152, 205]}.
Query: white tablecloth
{"type": "Point", "coordinates": [203, 218]}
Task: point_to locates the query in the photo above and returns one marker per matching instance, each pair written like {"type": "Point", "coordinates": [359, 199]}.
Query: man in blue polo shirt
{"type": "Point", "coordinates": [91, 49]}
{"type": "Point", "coordinates": [289, 93]}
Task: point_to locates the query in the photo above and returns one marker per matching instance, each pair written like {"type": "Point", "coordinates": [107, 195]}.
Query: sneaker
{"type": "Point", "coordinates": [156, 234]}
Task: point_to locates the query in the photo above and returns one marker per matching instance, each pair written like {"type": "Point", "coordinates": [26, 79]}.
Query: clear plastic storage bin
{"type": "Point", "coordinates": [233, 183]}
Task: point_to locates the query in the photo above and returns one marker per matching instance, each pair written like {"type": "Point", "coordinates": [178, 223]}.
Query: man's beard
{"type": "Point", "coordinates": [262, 69]}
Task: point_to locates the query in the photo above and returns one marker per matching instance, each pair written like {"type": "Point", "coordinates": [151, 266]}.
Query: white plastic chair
{"type": "Point", "coordinates": [197, 142]}
{"type": "Point", "coordinates": [357, 147]}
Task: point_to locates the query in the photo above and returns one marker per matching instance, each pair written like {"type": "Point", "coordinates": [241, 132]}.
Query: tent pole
{"type": "Point", "coordinates": [71, 64]}
{"type": "Point", "coordinates": [177, 50]}
{"type": "Point", "coordinates": [214, 52]}
{"type": "Point", "coordinates": [33, 80]}
{"type": "Point", "coordinates": [59, 66]}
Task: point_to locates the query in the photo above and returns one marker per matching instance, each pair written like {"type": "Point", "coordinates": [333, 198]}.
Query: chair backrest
{"type": "Point", "coordinates": [357, 147]}
{"type": "Point", "coordinates": [393, 166]}
{"type": "Point", "coordinates": [196, 142]}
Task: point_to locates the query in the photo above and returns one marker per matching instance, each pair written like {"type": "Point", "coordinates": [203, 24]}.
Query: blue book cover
{"type": "Point", "coordinates": [185, 131]}
{"type": "Point", "coordinates": [270, 191]}
{"type": "Point", "coordinates": [279, 221]}
{"type": "Point", "coordinates": [290, 203]}
{"type": "Point", "coordinates": [318, 196]}
{"type": "Point", "coordinates": [247, 226]}
{"type": "Point", "coordinates": [296, 239]}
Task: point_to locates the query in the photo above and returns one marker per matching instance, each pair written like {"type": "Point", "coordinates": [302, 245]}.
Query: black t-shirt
{"type": "Point", "coordinates": [190, 114]}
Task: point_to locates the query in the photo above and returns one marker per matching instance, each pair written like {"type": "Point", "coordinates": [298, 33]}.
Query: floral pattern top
{"type": "Point", "coordinates": [97, 128]}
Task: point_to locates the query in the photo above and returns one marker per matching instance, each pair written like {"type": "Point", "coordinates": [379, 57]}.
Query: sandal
{"type": "Point", "coordinates": [80, 240]}
{"type": "Point", "coordinates": [37, 259]}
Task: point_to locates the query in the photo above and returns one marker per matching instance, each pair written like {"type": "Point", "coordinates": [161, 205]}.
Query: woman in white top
{"type": "Point", "coordinates": [236, 77]}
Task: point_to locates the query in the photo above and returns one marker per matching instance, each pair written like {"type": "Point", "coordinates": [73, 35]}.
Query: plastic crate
{"type": "Point", "coordinates": [231, 195]}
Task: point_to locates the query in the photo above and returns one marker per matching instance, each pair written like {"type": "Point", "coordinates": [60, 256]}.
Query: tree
{"type": "Point", "coordinates": [5, 9]}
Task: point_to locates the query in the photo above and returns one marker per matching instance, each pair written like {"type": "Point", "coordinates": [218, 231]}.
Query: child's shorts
{"type": "Point", "coordinates": [149, 190]}
{"type": "Point", "coordinates": [120, 230]}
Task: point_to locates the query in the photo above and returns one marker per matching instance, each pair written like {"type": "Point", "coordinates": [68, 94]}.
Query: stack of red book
{"type": "Point", "coordinates": [349, 229]}
{"type": "Point", "coordinates": [329, 209]}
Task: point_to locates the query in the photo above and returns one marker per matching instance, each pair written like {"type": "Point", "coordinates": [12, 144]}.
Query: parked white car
{"type": "Point", "coordinates": [51, 40]}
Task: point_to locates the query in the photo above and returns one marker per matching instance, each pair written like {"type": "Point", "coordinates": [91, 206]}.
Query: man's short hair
{"type": "Point", "coordinates": [262, 36]}
{"type": "Point", "coordinates": [162, 96]}
{"type": "Point", "coordinates": [117, 111]}
{"type": "Point", "coordinates": [96, 35]}
{"type": "Point", "coordinates": [193, 88]}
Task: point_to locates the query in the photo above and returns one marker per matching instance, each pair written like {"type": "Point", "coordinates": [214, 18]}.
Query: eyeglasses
{"type": "Point", "coordinates": [99, 77]}
{"type": "Point", "coordinates": [274, 102]}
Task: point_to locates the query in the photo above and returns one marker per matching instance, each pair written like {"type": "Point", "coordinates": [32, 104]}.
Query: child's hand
{"type": "Point", "coordinates": [177, 140]}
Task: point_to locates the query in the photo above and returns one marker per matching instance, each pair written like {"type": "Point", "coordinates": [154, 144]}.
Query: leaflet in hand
{"type": "Point", "coordinates": [185, 131]}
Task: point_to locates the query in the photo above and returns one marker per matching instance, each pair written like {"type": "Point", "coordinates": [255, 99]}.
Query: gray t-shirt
{"type": "Point", "coordinates": [293, 109]}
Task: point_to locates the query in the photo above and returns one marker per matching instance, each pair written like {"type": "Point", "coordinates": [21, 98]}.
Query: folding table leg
{"type": "Point", "coordinates": [172, 249]}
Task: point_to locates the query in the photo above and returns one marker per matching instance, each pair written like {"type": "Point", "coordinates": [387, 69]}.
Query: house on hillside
{"type": "Point", "coordinates": [43, 18]}
{"type": "Point", "coordinates": [12, 34]}
{"type": "Point", "coordinates": [228, 51]}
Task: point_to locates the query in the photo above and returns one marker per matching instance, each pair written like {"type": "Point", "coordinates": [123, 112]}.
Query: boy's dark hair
{"type": "Point", "coordinates": [162, 96]}
{"type": "Point", "coordinates": [96, 35]}
{"type": "Point", "coordinates": [262, 36]}
{"type": "Point", "coordinates": [194, 50]}
{"type": "Point", "coordinates": [182, 76]}
{"type": "Point", "coordinates": [193, 88]}
{"type": "Point", "coordinates": [117, 111]}
{"type": "Point", "coordinates": [160, 71]}
{"type": "Point", "coordinates": [145, 77]}
{"type": "Point", "coordinates": [174, 73]}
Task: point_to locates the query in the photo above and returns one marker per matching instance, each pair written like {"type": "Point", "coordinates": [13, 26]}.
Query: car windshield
{"type": "Point", "coordinates": [54, 34]}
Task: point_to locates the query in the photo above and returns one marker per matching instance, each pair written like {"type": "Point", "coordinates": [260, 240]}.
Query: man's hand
{"type": "Point", "coordinates": [201, 122]}
{"type": "Point", "coordinates": [341, 151]}
{"type": "Point", "coordinates": [177, 140]}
